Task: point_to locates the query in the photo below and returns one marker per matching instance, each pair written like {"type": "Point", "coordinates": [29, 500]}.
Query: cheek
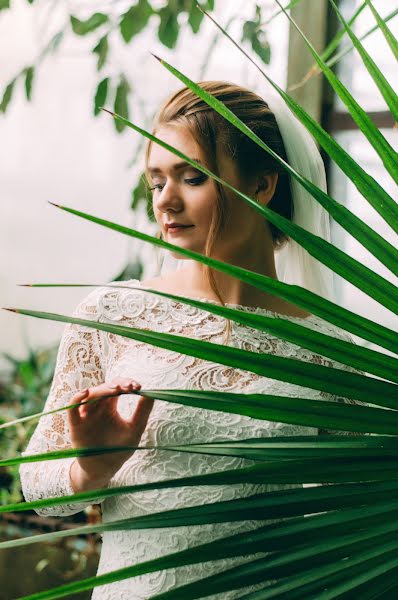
{"type": "Point", "coordinates": [203, 205]}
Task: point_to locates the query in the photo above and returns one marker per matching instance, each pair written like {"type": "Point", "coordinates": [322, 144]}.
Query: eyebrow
{"type": "Point", "coordinates": [175, 167]}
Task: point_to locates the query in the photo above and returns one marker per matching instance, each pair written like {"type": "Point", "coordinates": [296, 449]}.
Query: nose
{"type": "Point", "coordinates": [169, 198]}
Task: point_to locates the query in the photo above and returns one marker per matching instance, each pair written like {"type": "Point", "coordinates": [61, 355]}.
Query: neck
{"type": "Point", "coordinates": [233, 291]}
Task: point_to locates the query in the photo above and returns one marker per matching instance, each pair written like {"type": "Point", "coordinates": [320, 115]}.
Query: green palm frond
{"type": "Point", "coordinates": [380, 144]}
{"type": "Point", "coordinates": [341, 53]}
{"type": "Point", "coordinates": [384, 87]}
{"type": "Point", "coordinates": [330, 541]}
{"type": "Point", "coordinates": [318, 377]}
{"type": "Point", "coordinates": [390, 39]}
{"type": "Point", "coordinates": [371, 190]}
{"type": "Point", "coordinates": [331, 256]}
{"type": "Point", "coordinates": [350, 269]}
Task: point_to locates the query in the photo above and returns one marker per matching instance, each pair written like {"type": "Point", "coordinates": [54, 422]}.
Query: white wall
{"type": "Point", "coordinates": [53, 149]}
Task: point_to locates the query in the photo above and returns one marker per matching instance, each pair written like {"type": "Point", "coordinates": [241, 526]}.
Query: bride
{"type": "Point", "coordinates": [197, 213]}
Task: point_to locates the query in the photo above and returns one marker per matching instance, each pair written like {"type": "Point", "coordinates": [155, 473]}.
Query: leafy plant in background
{"type": "Point", "coordinates": [22, 390]}
{"type": "Point", "coordinates": [106, 26]}
{"type": "Point", "coordinates": [341, 540]}
{"type": "Point", "coordinates": [118, 90]}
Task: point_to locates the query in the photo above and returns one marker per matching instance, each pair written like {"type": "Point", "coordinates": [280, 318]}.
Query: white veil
{"type": "Point", "coordinates": [293, 264]}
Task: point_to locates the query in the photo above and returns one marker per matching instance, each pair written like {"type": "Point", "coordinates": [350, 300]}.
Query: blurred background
{"type": "Point", "coordinates": [59, 62]}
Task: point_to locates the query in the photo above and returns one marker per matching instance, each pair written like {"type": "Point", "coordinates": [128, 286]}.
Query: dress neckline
{"type": "Point", "coordinates": [244, 307]}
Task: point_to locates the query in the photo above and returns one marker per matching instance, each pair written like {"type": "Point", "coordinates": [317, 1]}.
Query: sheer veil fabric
{"type": "Point", "coordinates": [294, 265]}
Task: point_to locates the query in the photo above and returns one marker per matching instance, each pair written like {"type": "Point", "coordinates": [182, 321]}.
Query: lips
{"type": "Point", "coordinates": [178, 229]}
{"type": "Point", "coordinates": [176, 225]}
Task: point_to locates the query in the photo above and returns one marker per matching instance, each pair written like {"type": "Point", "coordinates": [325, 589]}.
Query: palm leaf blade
{"type": "Point", "coordinates": [385, 151]}
{"type": "Point", "coordinates": [319, 377]}
{"type": "Point", "coordinates": [390, 38]}
{"type": "Point", "coordinates": [324, 308]}
{"type": "Point", "coordinates": [384, 87]}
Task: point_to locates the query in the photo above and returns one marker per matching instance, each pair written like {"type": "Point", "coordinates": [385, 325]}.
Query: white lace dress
{"type": "Point", "coordinates": [88, 357]}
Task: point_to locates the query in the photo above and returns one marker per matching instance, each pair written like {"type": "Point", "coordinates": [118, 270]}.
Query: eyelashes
{"type": "Point", "coordinates": [193, 181]}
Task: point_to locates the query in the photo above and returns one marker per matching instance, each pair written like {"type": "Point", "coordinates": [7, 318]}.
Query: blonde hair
{"type": "Point", "coordinates": [215, 135]}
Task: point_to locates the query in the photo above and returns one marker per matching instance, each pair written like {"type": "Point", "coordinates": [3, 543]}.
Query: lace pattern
{"type": "Point", "coordinates": [87, 357]}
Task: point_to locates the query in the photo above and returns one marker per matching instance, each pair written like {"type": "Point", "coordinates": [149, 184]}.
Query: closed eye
{"type": "Point", "coordinates": [194, 181]}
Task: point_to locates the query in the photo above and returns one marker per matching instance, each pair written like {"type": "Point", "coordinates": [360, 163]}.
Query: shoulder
{"type": "Point", "coordinates": [129, 303]}
{"type": "Point", "coordinates": [322, 326]}
{"type": "Point", "coordinates": [318, 324]}
{"type": "Point", "coordinates": [107, 300]}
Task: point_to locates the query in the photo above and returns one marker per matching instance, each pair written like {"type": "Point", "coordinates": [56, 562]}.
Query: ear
{"type": "Point", "coordinates": [266, 188]}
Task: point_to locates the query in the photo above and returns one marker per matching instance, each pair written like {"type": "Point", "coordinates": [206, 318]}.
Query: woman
{"type": "Point", "coordinates": [193, 212]}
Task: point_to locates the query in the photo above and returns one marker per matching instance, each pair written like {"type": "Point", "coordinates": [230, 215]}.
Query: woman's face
{"type": "Point", "coordinates": [184, 195]}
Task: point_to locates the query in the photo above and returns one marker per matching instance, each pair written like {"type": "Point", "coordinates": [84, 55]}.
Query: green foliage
{"type": "Point", "coordinates": [380, 144]}
{"type": "Point", "coordinates": [21, 393]}
{"type": "Point", "coordinates": [84, 27]}
{"type": "Point", "coordinates": [253, 31]}
{"type": "Point", "coordinates": [54, 43]}
{"type": "Point", "coordinates": [121, 105]}
{"type": "Point", "coordinates": [169, 27]}
{"type": "Point", "coordinates": [335, 42]}
{"type": "Point", "coordinates": [389, 37]}
{"type": "Point", "coordinates": [135, 20]}
{"type": "Point", "coordinates": [102, 49]}
{"type": "Point", "coordinates": [195, 18]}
{"type": "Point", "coordinates": [333, 541]}
{"type": "Point", "coordinates": [101, 95]}
{"type": "Point", "coordinates": [29, 74]}
{"type": "Point", "coordinates": [140, 193]}
{"type": "Point", "coordinates": [7, 96]}
{"type": "Point", "coordinates": [4, 4]}
{"type": "Point", "coordinates": [383, 85]}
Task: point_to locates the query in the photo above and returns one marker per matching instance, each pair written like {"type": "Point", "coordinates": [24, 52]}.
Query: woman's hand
{"type": "Point", "coordinates": [99, 424]}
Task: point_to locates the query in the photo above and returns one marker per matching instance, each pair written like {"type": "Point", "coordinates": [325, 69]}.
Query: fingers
{"type": "Point", "coordinates": [124, 383]}
{"type": "Point", "coordinates": [139, 420]}
{"type": "Point", "coordinates": [73, 413]}
{"type": "Point", "coordinates": [111, 391]}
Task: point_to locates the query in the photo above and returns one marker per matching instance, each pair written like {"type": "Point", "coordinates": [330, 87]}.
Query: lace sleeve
{"type": "Point", "coordinates": [347, 338]}
{"type": "Point", "coordinates": [78, 365]}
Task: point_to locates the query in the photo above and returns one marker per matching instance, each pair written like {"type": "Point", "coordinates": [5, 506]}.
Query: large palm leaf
{"type": "Point", "coordinates": [350, 518]}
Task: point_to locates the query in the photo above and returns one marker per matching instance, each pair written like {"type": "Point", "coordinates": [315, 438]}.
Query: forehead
{"type": "Point", "coordinates": [176, 135]}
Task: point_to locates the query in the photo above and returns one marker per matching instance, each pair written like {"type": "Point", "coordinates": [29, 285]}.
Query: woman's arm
{"type": "Point", "coordinates": [79, 365]}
